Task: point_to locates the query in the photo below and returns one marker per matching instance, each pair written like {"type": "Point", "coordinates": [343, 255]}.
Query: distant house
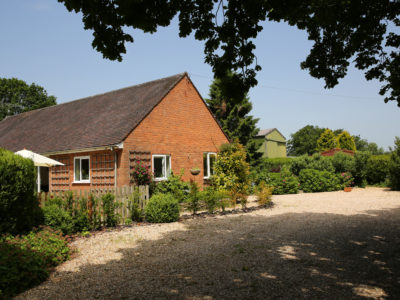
{"type": "Point", "coordinates": [164, 123]}
{"type": "Point", "coordinates": [273, 143]}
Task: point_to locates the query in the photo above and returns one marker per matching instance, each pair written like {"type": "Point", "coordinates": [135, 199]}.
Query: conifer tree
{"type": "Point", "coordinates": [327, 141]}
{"type": "Point", "coordinates": [346, 141]}
{"type": "Point", "coordinates": [231, 108]}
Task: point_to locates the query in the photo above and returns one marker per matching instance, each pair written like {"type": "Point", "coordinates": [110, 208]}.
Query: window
{"type": "Point", "coordinates": [161, 166]}
{"type": "Point", "coordinates": [208, 163]}
{"type": "Point", "coordinates": [81, 169]}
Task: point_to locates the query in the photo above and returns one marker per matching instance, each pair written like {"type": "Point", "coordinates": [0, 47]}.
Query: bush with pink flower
{"type": "Point", "coordinates": [141, 173]}
{"type": "Point", "coordinates": [346, 179]}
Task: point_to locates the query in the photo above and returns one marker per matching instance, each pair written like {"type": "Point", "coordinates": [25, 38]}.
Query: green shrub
{"type": "Point", "coordinates": [231, 169]}
{"type": "Point", "coordinates": [343, 162]}
{"type": "Point", "coordinates": [377, 169]}
{"type": "Point", "coordinates": [58, 218]}
{"type": "Point", "coordinates": [25, 261]}
{"type": "Point", "coordinates": [316, 162]}
{"type": "Point", "coordinates": [275, 164]}
{"type": "Point", "coordinates": [312, 181]}
{"type": "Point", "coordinates": [175, 186]}
{"type": "Point", "coordinates": [213, 199]}
{"type": "Point", "coordinates": [81, 221]}
{"type": "Point", "coordinates": [61, 215]}
{"type": "Point", "coordinates": [109, 206]}
{"type": "Point", "coordinates": [264, 193]}
{"type": "Point", "coordinates": [193, 199]}
{"type": "Point", "coordinates": [19, 208]}
{"type": "Point", "coordinates": [394, 166]}
{"type": "Point", "coordinates": [361, 159]}
{"type": "Point", "coordinates": [135, 211]}
{"type": "Point", "coordinates": [284, 183]}
{"type": "Point", "coordinates": [238, 195]}
{"type": "Point", "coordinates": [162, 208]}
{"type": "Point", "coordinates": [258, 175]}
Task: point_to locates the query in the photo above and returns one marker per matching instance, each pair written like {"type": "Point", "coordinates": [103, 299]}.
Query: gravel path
{"type": "Point", "coordinates": [326, 245]}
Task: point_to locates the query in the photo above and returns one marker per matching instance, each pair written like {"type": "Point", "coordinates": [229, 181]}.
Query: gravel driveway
{"type": "Point", "coordinates": [324, 245]}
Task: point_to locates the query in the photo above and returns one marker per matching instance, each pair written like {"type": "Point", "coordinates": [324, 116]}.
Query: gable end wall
{"type": "Point", "coordinates": [181, 126]}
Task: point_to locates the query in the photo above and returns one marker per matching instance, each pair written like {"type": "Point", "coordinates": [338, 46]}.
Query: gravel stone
{"type": "Point", "coordinates": [333, 245]}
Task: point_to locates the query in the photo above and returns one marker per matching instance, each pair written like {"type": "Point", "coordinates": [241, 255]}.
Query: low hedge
{"type": "Point", "coordinates": [312, 181]}
{"type": "Point", "coordinates": [162, 208]}
{"type": "Point", "coordinates": [19, 208]}
{"type": "Point", "coordinates": [276, 164]}
{"type": "Point", "coordinates": [316, 162]}
{"type": "Point", "coordinates": [343, 162]}
{"type": "Point", "coordinates": [284, 183]}
{"type": "Point", "coordinates": [377, 169]}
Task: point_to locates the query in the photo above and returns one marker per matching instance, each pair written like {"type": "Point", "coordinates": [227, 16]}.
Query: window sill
{"type": "Point", "coordinates": [81, 182]}
{"type": "Point", "coordinates": [161, 179]}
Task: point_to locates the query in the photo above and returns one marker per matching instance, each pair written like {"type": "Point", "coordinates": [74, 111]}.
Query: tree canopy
{"type": "Point", "coordinates": [364, 145]}
{"type": "Point", "coordinates": [16, 97]}
{"type": "Point", "coordinates": [232, 107]}
{"type": "Point", "coordinates": [304, 141]}
{"type": "Point", "coordinates": [363, 31]}
{"type": "Point", "coordinates": [346, 141]}
{"type": "Point", "coordinates": [327, 141]}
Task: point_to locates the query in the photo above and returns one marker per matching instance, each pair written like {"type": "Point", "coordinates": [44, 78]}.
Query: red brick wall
{"type": "Point", "coordinates": [181, 126]}
{"type": "Point", "coordinates": [332, 152]}
{"type": "Point", "coordinates": [101, 175]}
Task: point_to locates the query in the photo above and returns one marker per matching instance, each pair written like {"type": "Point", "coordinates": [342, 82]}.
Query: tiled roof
{"type": "Point", "coordinates": [100, 120]}
{"type": "Point", "coordinates": [264, 132]}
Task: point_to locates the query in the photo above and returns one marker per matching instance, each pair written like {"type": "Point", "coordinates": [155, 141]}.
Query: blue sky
{"type": "Point", "coordinates": [42, 42]}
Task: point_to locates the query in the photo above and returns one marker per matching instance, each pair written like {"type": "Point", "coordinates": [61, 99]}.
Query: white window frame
{"type": "Point", "coordinates": [80, 169]}
{"type": "Point", "coordinates": [208, 164]}
{"type": "Point", "coordinates": [165, 157]}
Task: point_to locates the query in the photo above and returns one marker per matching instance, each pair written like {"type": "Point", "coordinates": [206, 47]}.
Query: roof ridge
{"type": "Point", "coordinates": [96, 95]}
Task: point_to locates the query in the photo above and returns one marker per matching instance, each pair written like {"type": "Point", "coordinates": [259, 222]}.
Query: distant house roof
{"type": "Point", "coordinates": [100, 120]}
{"type": "Point", "coordinates": [264, 132]}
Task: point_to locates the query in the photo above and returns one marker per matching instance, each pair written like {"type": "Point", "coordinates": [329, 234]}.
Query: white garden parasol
{"type": "Point", "coordinates": [39, 161]}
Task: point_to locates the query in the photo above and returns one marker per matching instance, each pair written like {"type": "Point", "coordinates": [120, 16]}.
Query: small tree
{"type": "Point", "coordinates": [326, 141]}
{"type": "Point", "coordinates": [346, 141]}
{"type": "Point", "coordinates": [231, 169]}
{"type": "Point", "coordinates": [394, 166]}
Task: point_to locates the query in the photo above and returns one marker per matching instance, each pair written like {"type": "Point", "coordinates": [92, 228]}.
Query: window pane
{"type": "Point", "coordinates": [205, 165]}
{"type": "Point", "coordinates": [168, 165]}
{"type": "Point", "coordinates": [213, 157]}
{"type": "Point", "coordinates": [77, 169]}
{"type": "Point", "coordinates": [85, 169]}
{"type": "Point", "coordinates": [158, 167]}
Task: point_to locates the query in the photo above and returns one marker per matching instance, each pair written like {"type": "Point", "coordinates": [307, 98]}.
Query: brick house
{"type": "Point", "coordinates": [164, 123]}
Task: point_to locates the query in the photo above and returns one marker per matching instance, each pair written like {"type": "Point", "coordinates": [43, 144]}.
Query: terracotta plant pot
{"type": "Point", "coordinates": [195, 172]}
{"type": "Point", "coordinates": [347, 189]}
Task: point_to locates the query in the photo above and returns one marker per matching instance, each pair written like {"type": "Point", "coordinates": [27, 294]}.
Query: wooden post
{"type": "Point", "coordinates": [90, 207]}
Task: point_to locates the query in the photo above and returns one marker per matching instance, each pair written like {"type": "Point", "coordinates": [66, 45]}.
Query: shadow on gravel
{"type": "Point", "coordinates": [252, 257]}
